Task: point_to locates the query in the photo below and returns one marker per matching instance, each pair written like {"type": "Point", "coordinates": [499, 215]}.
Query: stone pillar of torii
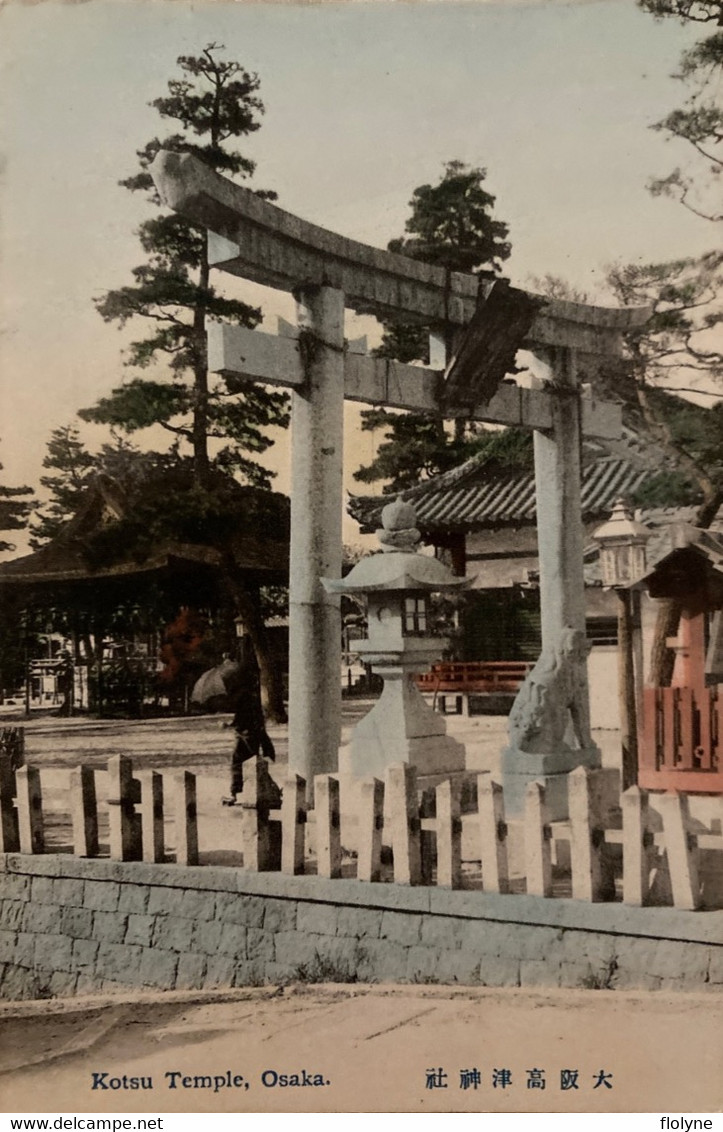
{"type": "Point", "coordinates": [487, 320]}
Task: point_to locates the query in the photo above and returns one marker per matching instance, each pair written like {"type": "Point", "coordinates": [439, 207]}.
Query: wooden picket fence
{"type": "Point", "coordinates": [401, 834]}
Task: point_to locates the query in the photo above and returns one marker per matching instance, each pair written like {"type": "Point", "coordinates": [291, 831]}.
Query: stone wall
{"type": "Point", "coordinates": [72, 926]}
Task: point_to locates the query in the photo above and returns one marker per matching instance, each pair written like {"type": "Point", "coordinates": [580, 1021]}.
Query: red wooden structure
{"type": "Point", "coordinates": [461, 679]}
{"type": "Point", "coordinates": [682, 725]}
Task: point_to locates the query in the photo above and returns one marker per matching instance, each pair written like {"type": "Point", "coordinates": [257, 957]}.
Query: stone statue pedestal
{"type": "Point", "coordinates": [520, 768]}
{"type": "Point", "coordinates": [402, 727]}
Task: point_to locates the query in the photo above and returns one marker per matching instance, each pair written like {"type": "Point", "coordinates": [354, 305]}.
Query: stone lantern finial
{"type": "Point", "coordinates": [398, 531]}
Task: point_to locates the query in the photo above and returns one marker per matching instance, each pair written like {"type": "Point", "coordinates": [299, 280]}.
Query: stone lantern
{"type": "Point", "coordinates": [397, 583]}
{"type": "Point", "coordinates": [622, 544]}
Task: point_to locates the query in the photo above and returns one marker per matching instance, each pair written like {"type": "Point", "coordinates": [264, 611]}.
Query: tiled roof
{"type": "Point", "coordinates": [472, 496]}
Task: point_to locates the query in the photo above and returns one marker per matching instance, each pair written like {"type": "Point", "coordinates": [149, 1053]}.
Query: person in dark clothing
{"type": "Point", "coordinates": [252, 738]}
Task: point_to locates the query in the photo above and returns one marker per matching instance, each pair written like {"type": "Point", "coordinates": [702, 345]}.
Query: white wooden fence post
{"type": "Point", "coordinates": [449, 835]}
{"type": "Point", "coordinates": [403, 810]}
{"type": "Point", "coordinates": [30, 810]}
{"type": "Point", "coordinates": [293, 825]}
{"type": "Point", "coordinates": [371, 822]}
{"type": "Point", "coordinates": [682, 851]}
{"type": "Point", "coordinates": [124, 791]}
{"type": "Point", "coordinates": [185, 817]}
{"type": "Point", "coordinates": [152, 835]}
{"type": "Point", "coordinates": [538, 842]}
{"type": "Point", "coordinates": [84, 811]}
{"type": "Point", "coordinates": [492, 835]}
{"type": "Point", "coordinates": [328, 825]}
{"type": "Point", "coordinates": [259, 796]}
{"type": "Point", "coordinates": [591, 875]}
{"type": "Point", "coordinates": [9, 834]}
{"type": "Point", "coordinates": [637, 846]}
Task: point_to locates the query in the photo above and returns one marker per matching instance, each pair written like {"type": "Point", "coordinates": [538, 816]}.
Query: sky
{"type": "Point", "coordinates": [363, 102]}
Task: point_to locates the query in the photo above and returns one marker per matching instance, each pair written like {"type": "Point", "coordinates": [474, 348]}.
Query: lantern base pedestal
{"type": "Point", "coordinates": [402, 728]}
{"type": "Point", "coordinates": [520, 768]}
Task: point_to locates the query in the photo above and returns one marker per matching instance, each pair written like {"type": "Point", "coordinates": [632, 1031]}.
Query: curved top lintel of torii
{"type": "Point", "coordinates": [252, 238]}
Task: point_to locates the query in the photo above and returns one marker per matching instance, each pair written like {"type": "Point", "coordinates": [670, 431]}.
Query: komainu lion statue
{"type": "Point", "coordinates": [551, 710]}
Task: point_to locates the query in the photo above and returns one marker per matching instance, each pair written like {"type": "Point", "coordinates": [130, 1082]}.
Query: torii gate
{"type": "Point", "coordinates": [326, 273]}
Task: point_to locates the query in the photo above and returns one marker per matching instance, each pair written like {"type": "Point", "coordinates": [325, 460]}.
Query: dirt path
{"type": "Point", "coordinates": [374, 1045]}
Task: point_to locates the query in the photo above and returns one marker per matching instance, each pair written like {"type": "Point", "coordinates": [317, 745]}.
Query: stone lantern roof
{"type": "Point", "coordinates": [398, 566]}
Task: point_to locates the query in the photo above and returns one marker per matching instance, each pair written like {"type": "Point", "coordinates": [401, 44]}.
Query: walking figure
{"type": "Point", "coordinates": [252, 738]}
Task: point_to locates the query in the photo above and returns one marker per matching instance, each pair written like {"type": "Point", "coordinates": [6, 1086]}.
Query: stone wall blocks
{"type": "Point", "coordinates": [715, 967]}
{"type": "Point", "coordinates": [197, 905]}
{"type": "Point", "coordinates": [110, 927]}
{"type": "Point", "coordinates": [361, 923]}
{"type": "Point", "coordinates": [172, 933]}
{"type": "Point", "coordinates": [532, 943]}
{"type": "Point", "coordinates": [499, 971]}
{"type": "Point", "coordinates": [77, 922]}
{"type": "Point", "coordinates": [85, 952]}
{"type": "Point", "coordinates": [280, 974]}
{"type": "Point", "coordinates": [191, 971]}
{"type": "Point", "coordinates": [458, 967]}
{"type": "Point", "coordinates": [158, 968]}
{"type": "Point", "coordinates": [62, 983]}
{"type": "Point", "coordinates": [297, 949]}
{"type": "Point", "coordinates": [44, 918]}
{"type": "Point", "coordinates": [232, 908]}
{"type": "Point", "coordinates": [485, 937]}
{"type": "Point", "coordinates": [120, 963]}
{"type": "Point", "coordinates": [540, 973]}
{"type": "Point", "coordinates": [206, 936]}
{"type": "Point", "coordinates": [260, 944]}
{"type": "Point", "coordinates": [8, 945]}
{"type": "Point", "coordinates": [19, 983]}
{"type": "Point", "coordinates": [41, 890]}
{"type": "Point", "coordinates": [279, 915]}
{"type": "Point", "coordinates": [134, 898]}
{"type": "Point", "coordinates": [219, 971]}
{"type": "Point", "coordinates": [401, 927]}
{"type": "Point", "coordinates": [24, 949]}
{"type": "Point", "coordinates": [140, 929]}
{"type": "Point", "coordinates": [233, 941]}
{"type": "Point", "coordinates": [86, 983]}
{"type": "Point", "coordinates": [249, 974]}
{"type": "Point", "coordinates": [13, 913]}
{"type": "Point", "coordinates": [163, 901]}
{"type": "Point", "coordinates": [14, 887]}
{"type": "Point", "coordinates": [68, 892]}
{"type": "Point", "coordinates": [319, 918]}
{"type": "Point", "coordinates": [101, 897]}
{"type": "Point", "coordinates": [590, 946]}
{"type": "Point", "coordinates": [382, 960]}
{"type": "Point", "coordinates": [422, 965]}
{"type": "Point", "coordinates": [441, 931]}
{"type": "Point", "coordinates": [674, 959]}
{"type": "Point", "coordinates": [55, 952]}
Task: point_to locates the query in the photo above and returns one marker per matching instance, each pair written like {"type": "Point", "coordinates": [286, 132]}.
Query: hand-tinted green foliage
{"type": "Point", "coordinates": [213, 104]}
{"type": "Point", "coordinates": [699, 121]}
{"type": "Point", "coordinates": [451, 225]}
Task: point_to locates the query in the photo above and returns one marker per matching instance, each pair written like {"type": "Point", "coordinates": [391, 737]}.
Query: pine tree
{"type": "Point", "coordinates": [451, 225]}
{"type": "Point", "coordinates": [14, 511]}
{"type": "Point", "coordinates": [699, 121]}
{"type": "Point", "coordinates": [214, 103]}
